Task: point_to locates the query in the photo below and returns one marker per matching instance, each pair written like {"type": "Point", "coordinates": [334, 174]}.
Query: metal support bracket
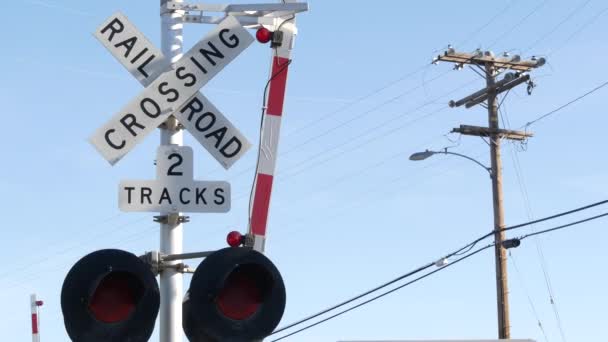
{"type": "Point", "coordinates": [171, 219]}
{"type": "Point", "coordinates": [159, 262]}
{"type": "Point", "coordinates": [249, 15]}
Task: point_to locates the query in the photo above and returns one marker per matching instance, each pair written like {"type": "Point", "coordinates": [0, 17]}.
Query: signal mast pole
{"type": "Point", "coordinates": [171, 228]}
{"type": "Point", "coordinates": [490, 67]}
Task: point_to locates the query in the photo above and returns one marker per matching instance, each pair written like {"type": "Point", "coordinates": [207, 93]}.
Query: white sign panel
{"type": "Point", "coordinates": [174, 190]}
{"type": "Point", "coordinates": [145, 62]}
{"type": "Point", "coordinates": [167, 93]}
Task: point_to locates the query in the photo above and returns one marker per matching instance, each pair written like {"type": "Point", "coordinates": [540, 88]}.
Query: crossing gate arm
{"type": "Point", "coordinates": [270, 133]}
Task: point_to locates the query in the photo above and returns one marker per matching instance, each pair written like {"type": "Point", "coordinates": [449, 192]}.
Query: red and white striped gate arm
{"type": "Point", "coordinates": [269, 140]}
{"type": "Point", "coordinates": [35, 304]}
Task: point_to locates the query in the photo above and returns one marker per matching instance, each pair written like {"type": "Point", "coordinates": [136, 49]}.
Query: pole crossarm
{"type": "Point", "coordinates": [489, 132]}
{"type": "Point", "coordinates": [510, 80]}
{"type": "Point", "coordinates": [249, 15]}
{"type": "Point", "coordinates": [481, 59]}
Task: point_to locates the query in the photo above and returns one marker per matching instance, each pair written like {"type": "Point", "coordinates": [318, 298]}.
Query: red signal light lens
{"type": "Point", "coordinates": [115, 297]}
{"type": "Point", "coordinates": [234, 239]}
{"type": "Point", "coordinates": [263, 35]}
{"type": "Point", "coordinates": [242, 293]}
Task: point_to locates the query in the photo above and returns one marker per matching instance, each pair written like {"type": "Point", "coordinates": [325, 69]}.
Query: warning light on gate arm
{"type": "Point", "coordinates": [263, 35]}
{"type": "Point", "coordinates": [235, 239]}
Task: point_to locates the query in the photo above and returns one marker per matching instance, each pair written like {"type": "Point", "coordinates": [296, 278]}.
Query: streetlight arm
{"type": "Point", "coordinates": [469, 158]}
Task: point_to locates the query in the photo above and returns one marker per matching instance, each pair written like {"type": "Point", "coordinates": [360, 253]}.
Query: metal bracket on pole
{"type": "Point", "coordinates": [249, 15]}
{"type": "Point", "coordinates": [171, 219]}
{"type": "Point", "coordinates": [159, 262]}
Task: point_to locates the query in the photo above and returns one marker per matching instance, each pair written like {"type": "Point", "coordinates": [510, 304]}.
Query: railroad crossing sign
{"type": "Point", "coordinates": [171, 90]}
{"type": "Point", "coordinates": [174, 189]}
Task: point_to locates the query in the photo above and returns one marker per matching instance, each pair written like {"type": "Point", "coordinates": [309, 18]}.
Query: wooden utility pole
{"type": "Point", "coordinates": [490, 67]}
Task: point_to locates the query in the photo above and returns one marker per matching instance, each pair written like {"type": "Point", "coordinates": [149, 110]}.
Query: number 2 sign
{"type": "Point", "coordinates": [174, 190]}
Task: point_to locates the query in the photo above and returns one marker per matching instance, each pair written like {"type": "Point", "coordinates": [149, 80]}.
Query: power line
{"type": "Point", "coordinates": [459, 251]}
{"type": "Point", "coordinates": [385, 293]}
{"type": "Point", "coordinates": [556, 27]}
{"type": "Point", "coordinates": [539, 249]}
{"type": "Point", "coordinates": [488, 23]}
{"type": "Point", "coordinates": [540, 232]}
{"type": "Point", "coordinates": [566, 105]}
{"type": "Point", "coordinates": [565, 213]}
{"type": "Point", "coordinates": [518, 23]}
{"type": "Point", "coordinates": [420, 269]}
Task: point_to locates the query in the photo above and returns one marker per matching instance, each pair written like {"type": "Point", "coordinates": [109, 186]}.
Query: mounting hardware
{"type": "Point", "coordinates": [171, 218]}
{"type": "Point", "coordinates": [277, 39]}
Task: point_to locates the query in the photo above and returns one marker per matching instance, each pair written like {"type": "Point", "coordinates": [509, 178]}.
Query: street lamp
{"type": "Point", "coordinates": [428, 153]}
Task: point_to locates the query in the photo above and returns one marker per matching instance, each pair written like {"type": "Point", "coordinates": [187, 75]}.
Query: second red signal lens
{"type": "Point", "coordinates": [241, 295]}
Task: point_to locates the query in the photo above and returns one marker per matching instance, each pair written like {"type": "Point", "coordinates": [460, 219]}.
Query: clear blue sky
{"type": "Point", "coordinates": [349, 210]}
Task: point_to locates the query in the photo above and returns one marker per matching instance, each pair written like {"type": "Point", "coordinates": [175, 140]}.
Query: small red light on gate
{"type": "Point", "coordinates": [263, 35]}
{"type": "Point", "coordinates": [39, 303]}
{"type": "Point", "coordinates": [234, 239]}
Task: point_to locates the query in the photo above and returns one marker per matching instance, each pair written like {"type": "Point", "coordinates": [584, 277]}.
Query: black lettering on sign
{"type": "Point", "coordinates": [233, 40]}
{"type": "Point", "coordinates": [129, 189]}
{"type": "Point", "coordinates": [181, 76]}
{"type": "Point", "coordinates": [201, 118]}
{"type": "Point", "coordinates": [141, 53]}
{"type": "Point", "coordinates": [128, 121]}
{"type": "Point", "coordinates": [215, 53]}
{"type": "Point", "coordinates": [219, 196]}
{"type": "Point", "coordinates": [181, 196]}
{"type": "Point", "coordinates": [200, 193]}
{"type": "Point", "coordinates": [180, 160]}
{"type": "Point", "coordinates": [237, 145]}
{"type": "Point", "coordinates": [217, 134]}
{"type": "Point", "coordinates": [165, 197]}
{"type": "Point", "coordinates": [113, 145]}
{"type": "Point", "coordinates": [194, 106]}
{"type": "Point", "coordinates": [116, 26]}
{"type": "Point", "coordinates": [145, 192]}
{"type": "Point", "coordinates": [198, 65]}
{"type": "Point", "coordinates": [142, 67]}
{"type": "Point", "coordinates": [162, 89]}
{"type": "Point", "coordinates": [128, 45]}
{"type": "Point", "coordinates": [146, 108]}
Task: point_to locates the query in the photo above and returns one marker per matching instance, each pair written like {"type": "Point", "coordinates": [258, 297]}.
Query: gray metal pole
{"type": "Point", "coordinates": [171, 231]}
{"type": "Point", "coordinates": [502, 294]}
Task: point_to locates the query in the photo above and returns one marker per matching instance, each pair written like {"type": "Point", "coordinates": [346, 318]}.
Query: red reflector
{"type": "Point", "coordinates": [115, 297]}
{"type": "Point", "coordinates": [241, 295]}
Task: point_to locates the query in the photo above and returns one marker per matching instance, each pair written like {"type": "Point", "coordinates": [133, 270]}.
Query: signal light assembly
{"type": "Point", "coordinates": [264, 35]}
{"type": "Point", "coordinates": [236, 294]}
{"type": "Point", "coordinates": [110, 295]}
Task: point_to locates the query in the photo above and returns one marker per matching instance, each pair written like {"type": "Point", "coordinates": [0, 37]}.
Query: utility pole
{"type": "Point", "coordinates": [490, 68]}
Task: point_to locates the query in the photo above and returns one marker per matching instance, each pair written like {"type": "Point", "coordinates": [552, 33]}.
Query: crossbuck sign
{"type": "Point", "coordinates": [171, 90]}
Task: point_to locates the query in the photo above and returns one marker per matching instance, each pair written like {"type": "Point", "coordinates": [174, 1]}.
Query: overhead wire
{"type": "Point", "coordinates": [521, 21]}
{"type": "Point", "coordinates": [539, 248]}
{"type": "Point", "coordinates": [418, 270]}
{"type": "Point", "coordinates": [479, 250]}
{"type": "Point", "coordinates": [567, 104]}
{"type": "Point", "coordinates": [571, 14]}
